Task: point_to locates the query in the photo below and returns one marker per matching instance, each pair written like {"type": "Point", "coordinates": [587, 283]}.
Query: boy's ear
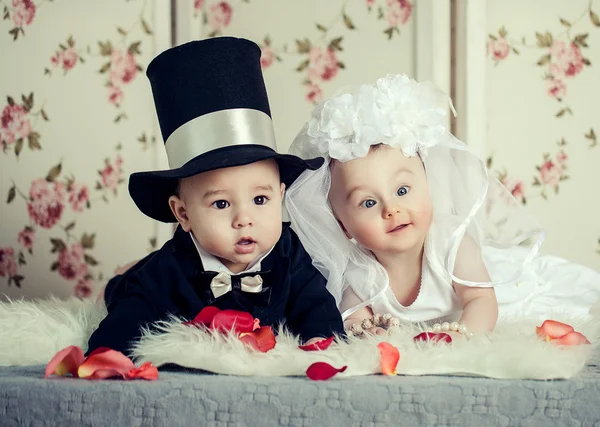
{"type": "Point", "coordinates": [282, 189]}
{"type": "Point", "coordinates": [178, 208]}
{"type": "Point", "coordinates": [344, 229]}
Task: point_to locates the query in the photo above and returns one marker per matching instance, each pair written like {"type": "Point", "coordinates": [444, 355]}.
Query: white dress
{"type": "Point", "coordinates": [548, 285]}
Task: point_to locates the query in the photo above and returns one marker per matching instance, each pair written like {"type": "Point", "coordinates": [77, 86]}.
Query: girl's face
{"type": "Point", "coordinates": [382, 200]}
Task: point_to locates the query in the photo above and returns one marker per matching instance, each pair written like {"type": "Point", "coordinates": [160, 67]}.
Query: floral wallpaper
{"type": "Point", "coordinates": [311, 49]}
{"type": "Point", "coordinates": [76, 118]}
{"type": "Point", "coordinates": [542, 118]}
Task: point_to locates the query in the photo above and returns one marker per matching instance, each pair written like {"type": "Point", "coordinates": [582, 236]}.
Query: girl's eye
{"type": "Point", "coordinates": [368, 203]}
{"type": "Point", "coordinates": [260, 200]}
{"type": "Point", "coordinates": [221, 204]}
{"type": "Point", "coordinates": [402, 191]}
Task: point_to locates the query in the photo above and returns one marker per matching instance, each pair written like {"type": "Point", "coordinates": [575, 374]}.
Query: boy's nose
{"type": "Point", "coordinates": [242, 220]}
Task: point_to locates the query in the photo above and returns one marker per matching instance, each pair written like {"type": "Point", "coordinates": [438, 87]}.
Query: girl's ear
{"type": "Point", "coordinates": [179, 210]}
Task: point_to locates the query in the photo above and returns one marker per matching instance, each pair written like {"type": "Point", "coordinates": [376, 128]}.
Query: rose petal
{"type": "Point", "coordinates": [389, 358]}
{"type": "Point", "coordinates": [320, 371]}
{"type": "Point", "coordinates": [105, 364]}
{"type": "Point", "coordinates": [65, 361]}
{"type": "Point", "coordinates": [102, 374]}
{"type": "Point", "coordinates": [316, 346]}
{"type": "Point", "coordinates": [262, 339]}
{"type": "Point", "coordinates": [572, 338]}
{"type": "Point", "coordinates": [204, 318]}
{"type": "Point", "coordinates": [553, 329]}
{"type": "Point", "coordinates": [434, 337]}
{"type": "Point", "coordinates": [233, 320]}
{"type": "Point", "coordinates": [145, 372]}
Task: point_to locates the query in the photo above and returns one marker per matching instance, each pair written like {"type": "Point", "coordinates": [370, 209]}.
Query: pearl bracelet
{"type": "Point", "coordinates": [385, 321]}
{"type": "Point", "coordinates": [454, 327]}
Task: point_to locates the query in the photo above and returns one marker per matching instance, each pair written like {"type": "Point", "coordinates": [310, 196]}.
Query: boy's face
{"type": "Point", "coordinates": [234, 213]}
{"type": "Point", "coordinates": [382, 200]}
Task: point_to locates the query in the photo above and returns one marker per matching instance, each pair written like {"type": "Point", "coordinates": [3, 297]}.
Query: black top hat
{"type": "Point", "coordinates": [213, 111]}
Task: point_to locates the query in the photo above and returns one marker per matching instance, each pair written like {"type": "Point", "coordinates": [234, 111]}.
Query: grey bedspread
{"type": "Point", "coordinates": [199, 399]}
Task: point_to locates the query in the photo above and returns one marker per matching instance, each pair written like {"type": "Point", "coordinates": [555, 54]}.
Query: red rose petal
{"type": "Point", "coordinates": [262, 339]}
{"type": "Point", "coordinates": [204, 318]}
{"type": "Point", "coordinates": [434, 337]}
{"type": "Point", "coordinates": [105, 364]}
{"type": "Point", "coordinates": [551, 329]}
{"type": "Point", "coordinates": [233, 320]}
{"type": "Point", "coordinates": [320, 371]}
{"type": "Point", "coordinates": [316, 346]}
{"type": "Point", "coordinates": [572, 338]}
{"type": "Point", "coordinates": [65, 361]}
{"type": "Point", "coordinates": [145, 372]}
{"type": "Point", "coordinates": [389, 358]}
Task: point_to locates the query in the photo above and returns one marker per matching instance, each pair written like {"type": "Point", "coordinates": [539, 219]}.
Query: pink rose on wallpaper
{"type": "Point", "coordinates": [314, 94]}
{"type": "Point", "coordinates": [516, 188]}
{"type": "Point", "coordinates": [556, 88]}
{"type": "Point", "coordinates": [69, 58]}
{"type": "Point", "coordinates": [550, 173]}
{"type": "Point", "coordinates": [561, 159]}
{"type": "Point", "coordinates": [123, 68]}
{"type": "Point", "coordinates": [23, 12]}
{"type": "Point", "coordinates": [323, 64]}
{"type": "Point", "coordinates": [83, 289]}
{"type": "Point", "coordinates": [111, 175]}
{"type": "Point", "coordinates": [567, 59]}
{"type": "Point", "coordinates": [220, 15]}
{"type": "Point", "coordinates": [14, 124]}
{"type": "Point", "coordinates": [71, 263]}
{"type": "Point", "coordinates": [55, 60]}
{"type": "Point", "coordinates": [370, 3]}
{"type": "Point", "coordinates": [499, 48]}
{"type": "Point", "coordinates": [47, 202]}
{"type": "Point", "coordinates": [267, 57]}
{"type": "Point", "coordinates": [8, 264]}
{"type": "Point", "coordinates": [398, 12]}
{"type": "Point", "coordinates": [198, 4]}
{"type": "Point", "coordinates": [79, 196]}
{"type": "Point", "coordinates": [26, 238]}
{"type": "Point", "coordinates": [115, 95]}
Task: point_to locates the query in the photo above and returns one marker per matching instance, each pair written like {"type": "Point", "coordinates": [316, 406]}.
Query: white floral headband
{"type": "Point", "coordinates": [397, 111]}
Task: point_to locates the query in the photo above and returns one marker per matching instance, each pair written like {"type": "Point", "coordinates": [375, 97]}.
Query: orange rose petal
{"type": "Point", "coordinates": [553, 329]}
{"type": "Point", "coordinates": [102, 374]}
{"type": "Point", "coordinates": [389, 358]}
{"type": "Point", "coordinates": [262, 339]}
{"type": "Point", "coordinates": [233, 320]}
{"type": "Point", "coordinates": [204, 318]}
{"type": "Point", "coordinates": [316, 346]}
{"type": "Point", "coordinates": [110, 360]}
{"type": "Point", "coordinates": [434, 337]}
{"type": "Point", "coordinates": [66, 361]}
{"type": "Point", "coordinates": [145, 372]}
{"type": "Point", "coordinates": [320, 371]}
{"type": "Point", "coordinates": [572, 338]}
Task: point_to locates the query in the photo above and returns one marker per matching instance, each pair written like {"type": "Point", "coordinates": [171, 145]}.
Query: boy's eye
{"type": "Point", "coordinates": [260, 200]}
{"type": "Point", "coordinates": [402, 190]}
{"type": "Point", "coordinates": [221, 204]}
{"type": "Point", "coordinates": [368, 203]}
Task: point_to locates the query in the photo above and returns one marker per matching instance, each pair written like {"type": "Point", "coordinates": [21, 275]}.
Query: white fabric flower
{"type": "Point", "coordinates": [397, 111]}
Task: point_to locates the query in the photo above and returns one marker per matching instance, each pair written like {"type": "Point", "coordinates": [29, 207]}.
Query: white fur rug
{"type": "Point", "coordinates": [32, 332]}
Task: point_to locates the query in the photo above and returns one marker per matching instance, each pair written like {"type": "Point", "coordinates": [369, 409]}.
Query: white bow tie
{"type": "Point", "coordinates": [222, 283]}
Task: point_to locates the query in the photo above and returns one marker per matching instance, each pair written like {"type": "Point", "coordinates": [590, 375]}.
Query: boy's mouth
{"type": "Point", "coordinates": [246, 245]}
